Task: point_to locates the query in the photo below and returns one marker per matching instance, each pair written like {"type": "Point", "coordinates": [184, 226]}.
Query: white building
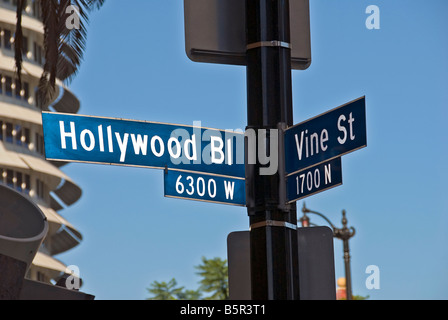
{"type": "Point", "coordinates": [22, 161]}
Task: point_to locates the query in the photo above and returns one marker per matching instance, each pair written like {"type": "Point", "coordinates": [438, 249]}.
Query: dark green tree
{"type": "Point", "coordinates": [170, 291]}
{"type": "Point", "coordinates": [214, 281]}
{"type": "Point", "coordinates": [214, 273]}
{"type": "Point", "coordinates": [190, 295]}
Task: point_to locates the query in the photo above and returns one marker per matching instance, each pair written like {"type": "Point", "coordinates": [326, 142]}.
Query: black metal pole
{"type": "Point", "coordinates": [273, 235]}
{"type": "Point", "coordinates": [348, 276]}
{"type": "Point", "coordinates": [345, 234]}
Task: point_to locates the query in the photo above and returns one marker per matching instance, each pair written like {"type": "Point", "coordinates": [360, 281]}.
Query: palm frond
{"type": "Point", "coordinates": [74, 40]}
{"type": "Point", "coordinates": [47, 83]}
{"type": "Point", "coordinates": [64, 47]}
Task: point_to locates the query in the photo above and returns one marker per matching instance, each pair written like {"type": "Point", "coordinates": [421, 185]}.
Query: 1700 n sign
{"type": "Point", "coordinates": [313, 180]}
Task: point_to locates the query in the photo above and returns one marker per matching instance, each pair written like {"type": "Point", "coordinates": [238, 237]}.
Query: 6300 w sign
{"type": "Point", "coordinates": [203, 187]}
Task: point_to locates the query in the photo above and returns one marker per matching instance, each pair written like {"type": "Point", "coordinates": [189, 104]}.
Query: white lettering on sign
{"type": "Point", "coordinates": [65, 135]}
{"type": "Point", "coordinates": [310, 181]}
{"type": "Point", "coordinates": [184, 146]}
{"type": "Point", "coordinates": [217, 149]}
{"type": "Point", "coordinates": [328, 174]}
{"type": "Point", "coordinates": [140, 144]}
{"type": "Point", "coordinates": [122, 144]}
{"type": "Point", "coordinates": [310, 144]}
{"type": "Point", "coordinates": [104, 140]}
{"type": "Point", "coordinates": [161, 149]}
{"type": "Point", "coordinates": [84, 133]}
{"type": "Point", "coordinates": [174, 151]}
{"type": "Point", "coordinates": [344, 130]}
{"type": "Point", "coordinates": [203, 187]}
{"type": "Point", "coordinates": [229, 187]}
{"type": "Point", "coordinates": [313, 144]}
{"type": "Point", "coordinates": [191, 143]}
{"type": "Point", "coordinates": [100, 133]}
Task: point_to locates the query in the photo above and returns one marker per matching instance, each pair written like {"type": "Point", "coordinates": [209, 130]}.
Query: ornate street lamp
{"type": "Point", "coordinates": [343, 234]}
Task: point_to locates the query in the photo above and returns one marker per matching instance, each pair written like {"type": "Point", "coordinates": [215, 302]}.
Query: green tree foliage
{"type": "Point", "coordinates": [214, 273]}
{"type": "Point", "coordinates": [170, 291]}
{"type": "Point", "coordinates": [214, 281]}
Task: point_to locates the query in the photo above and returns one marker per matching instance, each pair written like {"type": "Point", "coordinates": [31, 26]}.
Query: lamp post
{"type": "Point", "coordinates": [343, 234]}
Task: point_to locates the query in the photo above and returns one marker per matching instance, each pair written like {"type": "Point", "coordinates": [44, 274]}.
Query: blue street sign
{"type": "Point", "coordinates": [89, 139]}
{"type": "Point", "coordinates": [327, 136]}
{"type": "Point", "coordinates": [313, 180]}
{"type": "Point", "coordinates": [203, 187]}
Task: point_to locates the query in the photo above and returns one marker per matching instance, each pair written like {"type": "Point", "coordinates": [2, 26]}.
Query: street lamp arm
{"type": "Point", "coordinates": [306, 210]}
{"type": "Point", "coordinates": [353, 231]}
{"type": "Point", "coordinates": [344, 233]}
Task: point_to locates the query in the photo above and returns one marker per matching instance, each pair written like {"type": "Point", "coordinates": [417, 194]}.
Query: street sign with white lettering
{"type": "Point", "coordinates": [327, 136]}
{"type": "Point", "coordinates": [203, 187]}
{"type": "Point", "coordinates": [313, 180]}
{"type": "Point", "coordinates": [89, 139]}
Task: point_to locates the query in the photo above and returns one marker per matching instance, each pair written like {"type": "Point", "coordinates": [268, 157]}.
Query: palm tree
{"type": "Point", "coordinates": [64, 47]}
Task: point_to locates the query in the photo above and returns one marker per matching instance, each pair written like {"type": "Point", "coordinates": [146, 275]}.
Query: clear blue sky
{"type": "Point", "coordinates": [394, 190]}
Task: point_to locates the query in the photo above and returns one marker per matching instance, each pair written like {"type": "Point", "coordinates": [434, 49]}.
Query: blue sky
{"type": "Point", "coordinates": [135, 67]}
